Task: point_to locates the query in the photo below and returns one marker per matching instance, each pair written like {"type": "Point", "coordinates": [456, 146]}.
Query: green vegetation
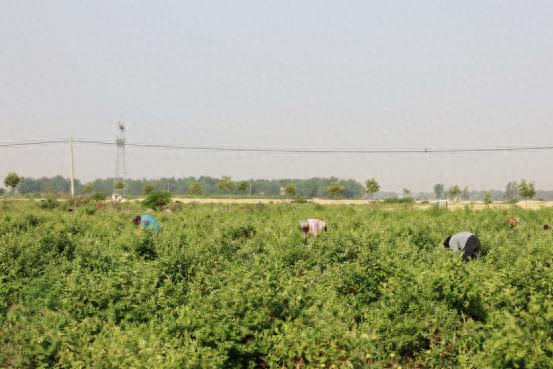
{"type": "Point", "coordinates": [148, 188]}
{"type": "Point", "coordinates": [195, 189]}
{"type": "Point", "coordinates": [313, 187]}
{"type": "Point", "coordinates": [487, 198]}
{"type": "Point", "coordinates": [88, 189]}
{"type": "Point", "coordinates": [157, 200]}
{"type": "Point", "coordinates": [526, 190]}
{"type": "Point", "coordinates": [290, 189]}
{"type": "Point", "coordinates": [439, 190]}
{"type": "Point", "coordinates": [242, 288]}
{"type": "Point", "coordinates": [397, 200]}
{"type": "Point", "coordinates": [242, 186]}
{"type": "Point", "coordinates": [99, 196]}
{"type": "Point", "coordinates": [335, 190]}
{"type": "Point", "coordinates": [49, 203]}
{"type": "Point", "coordinates": [261, 188]}
{"type": "Point", "coordinates": [511, 191]}
{"type": "Point", "coordinates": [371, 186]}
{"type": "Point", "coordinates": [453, 192]}
{"type": "Point", "coordinates": [226, 185]}
{"type": "Point", "coordinates": [12, 180]}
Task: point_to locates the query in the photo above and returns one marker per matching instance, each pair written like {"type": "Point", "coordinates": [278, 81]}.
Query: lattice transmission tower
{"type": "Point", "coordinates": [119, 182]}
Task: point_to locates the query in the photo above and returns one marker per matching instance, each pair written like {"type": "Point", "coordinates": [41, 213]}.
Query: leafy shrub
{"type": "Point", "coordinates": [157, 200]}
{"type": "Point", "coordinates": [244, 231]}
{"type": "Point", "coordinates": [397, 200]}
{"type": "Point", "coordinates": [49, 203]}
{"type": "Point", "coordinates": [99, 196]}
{"type": "Point", "coordinates": [145, 246]}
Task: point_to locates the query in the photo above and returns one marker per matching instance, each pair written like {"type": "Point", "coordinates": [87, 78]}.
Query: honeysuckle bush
{"type": "Point", "coordinates": [241, 288]}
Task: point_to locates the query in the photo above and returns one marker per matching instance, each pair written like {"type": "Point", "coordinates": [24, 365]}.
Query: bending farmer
{"type": "Point", "coordinates": [148, 222]}
{"type": "Point", "coordinates": [464, 242]}
{"type": "Point", "coordinates": [312, 226]}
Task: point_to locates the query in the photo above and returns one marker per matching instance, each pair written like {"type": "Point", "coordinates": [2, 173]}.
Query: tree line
{"type": "Point", "coordinates": [304, 188]}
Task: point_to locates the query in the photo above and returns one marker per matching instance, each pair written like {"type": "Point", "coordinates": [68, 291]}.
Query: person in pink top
{"type": "Point", "coordinates": [312, 226]}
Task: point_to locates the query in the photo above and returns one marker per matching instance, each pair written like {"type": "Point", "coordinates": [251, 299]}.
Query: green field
{"type": "Point", "coordinates": [240, 288]}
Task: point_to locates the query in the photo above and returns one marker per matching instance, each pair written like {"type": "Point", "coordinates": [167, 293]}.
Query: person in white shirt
{"type": "Point", "coordinates": [466, 243]}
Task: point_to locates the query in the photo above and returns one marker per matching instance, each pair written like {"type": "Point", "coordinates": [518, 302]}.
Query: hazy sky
{"type": "Point", "coordinates": [337, 74]}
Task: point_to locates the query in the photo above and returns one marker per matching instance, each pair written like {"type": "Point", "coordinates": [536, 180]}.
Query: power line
{"type": "Point", "coordinates": [290, 150]}
{"type": "Point", "coordinates": [323, 150]}
{"type": "Point", "coordinates": [33, 143]}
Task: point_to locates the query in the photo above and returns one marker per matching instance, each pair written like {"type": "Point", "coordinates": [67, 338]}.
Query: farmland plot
{"type": "Point", "coordinates": [240, 288]}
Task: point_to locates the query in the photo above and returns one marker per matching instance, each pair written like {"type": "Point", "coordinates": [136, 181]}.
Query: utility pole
{"type": "Point", "coordinates": [72, 167]}
{"type": "Point", "coordinates": [120, 165]}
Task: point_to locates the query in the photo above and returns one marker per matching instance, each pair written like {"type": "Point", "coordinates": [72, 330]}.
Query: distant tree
{"type": "Point", "coordinates": [87, 189]}
{"type": "Point", "coordinates": [12, 180]}
{"type": "Point", "coordinates": [511, 191]}
{"type": "Point", "coordinates": [526, 190]}
{"type": "Point", "coordinates": [371, 186]}
{"type": "Point", "coordinates": [406, 193]}
{"type": "Point", "coordinates": [439, 190]}
{"type": "Point", "coordinates": [465, 195]}
{"type": "Point", "coordinates": [195, 189]}
{"type": "Point", "coordinates": [157, 200]}
{"type": "Point", "coordinates": [225, 184]}
{"type": "Point", "coordinates": [290, 189]}
{"type": "Point", "coordinates": [487, 198]}
{"type": "Point", "coordinates": [148, 188]}
{"type": "Point", "coordinates": [2, 192]}
{"type": "Point", "coordinates": [119, 185]}
{"type": "Point", "coordinates": [335, 189]}
{"type": "Point", "coordinates": [242, 186]}
{"type": "Point", "coordinates": [454, 192]}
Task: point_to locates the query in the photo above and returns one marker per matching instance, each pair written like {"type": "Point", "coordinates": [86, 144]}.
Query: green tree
{"type": "Point", "coordinates": [119, 185]}
{"type": "Point", "coordinates": [195, 189]}
{"type": "Point", "coordinates": [12, 180]}
{"type": "Point", "coordinates": [335, 189]}
{"type": "Point", "coordinates": [439, 190]}
{"type": "Point", "coordinates": [87, 189]}
{"type": "Point", "coordinates": [157, 200]}
{"type": "Point", "coordinates": [225, 184]}
{"type": "Point", "coordinates": [406, 193]}
{"type": "Point", "coordinates": [526, 190]}
{"type": "Point", "coordinates": [242, 186]}
{"type": "Point", "coordinates": [454, 192]}
{"type": "Point", "coordinates": [371, 186]}
{"type": "Point", "coordinates": [148, 188]}
{"type": "Point", "coordinates": [487, 198]}
{"type": "Point", "coordinates": [290, 189]}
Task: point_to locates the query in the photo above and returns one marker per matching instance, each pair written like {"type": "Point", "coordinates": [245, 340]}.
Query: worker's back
{"type": "Point", "coordinates": [312, 226]}
{"type": "Point", "coordinates": [459, 240]}
{"type": "Point", "coordinates": [150, 223]}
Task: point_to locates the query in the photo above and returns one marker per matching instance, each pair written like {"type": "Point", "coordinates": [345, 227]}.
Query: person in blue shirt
{"type": "Point", "coordinates": [148, 222]}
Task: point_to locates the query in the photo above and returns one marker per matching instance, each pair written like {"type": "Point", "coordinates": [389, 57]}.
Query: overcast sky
{"type": "Point", "coordinates": [334, 74]}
